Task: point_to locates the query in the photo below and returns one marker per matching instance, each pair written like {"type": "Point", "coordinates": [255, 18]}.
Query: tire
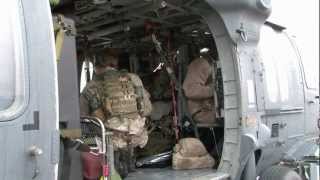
{"type": "Point", "coordinates": [279, 173]}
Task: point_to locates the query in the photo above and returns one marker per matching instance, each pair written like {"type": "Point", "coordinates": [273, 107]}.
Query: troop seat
{"type": "Point", "coordinates": [196, 125]}
{"type": "Point", "coordinates": [218, 123]}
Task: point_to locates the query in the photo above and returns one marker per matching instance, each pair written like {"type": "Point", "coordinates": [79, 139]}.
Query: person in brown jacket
{"type": "Point", "coordinates": [199, 89]}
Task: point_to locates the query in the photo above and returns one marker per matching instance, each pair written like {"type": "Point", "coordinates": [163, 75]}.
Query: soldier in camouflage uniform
{"type": "Point", "coordinates": [119, 99]}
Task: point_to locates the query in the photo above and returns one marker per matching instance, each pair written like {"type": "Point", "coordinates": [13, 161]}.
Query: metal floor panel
{"type": "Point", "coordinates": [168, 173]}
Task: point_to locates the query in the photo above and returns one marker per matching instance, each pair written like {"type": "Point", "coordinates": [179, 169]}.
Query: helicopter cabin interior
{"type": "Point", "coordinates": [148, 36]}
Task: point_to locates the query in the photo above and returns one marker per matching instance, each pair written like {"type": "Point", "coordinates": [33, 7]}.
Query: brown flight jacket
{"type": "Point", "coordinates": [198, 88]}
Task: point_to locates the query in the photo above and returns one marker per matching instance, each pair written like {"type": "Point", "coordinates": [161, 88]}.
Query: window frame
{"type": "Point", "coordinates": [21, 101]}
{"type": "Point", "coordinates": [301, 64]}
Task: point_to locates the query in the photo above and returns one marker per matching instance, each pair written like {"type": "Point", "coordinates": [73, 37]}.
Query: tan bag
{"type": "Point", "coordinates": [190, 147]}
{"type": "Point", "coordinates": [190, 153]}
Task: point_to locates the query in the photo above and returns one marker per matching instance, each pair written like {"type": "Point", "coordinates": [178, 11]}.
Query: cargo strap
{"type": "Point", "coordinates": [60, 30]}
{"type": "Point", "coordinates": [59, 35]}
{"type": "Point", "coordinates": [54, 3]}
{"type": "Point", "coordinates": [59, 43]}
{"type": "Point", "coordinates": [71, 133]}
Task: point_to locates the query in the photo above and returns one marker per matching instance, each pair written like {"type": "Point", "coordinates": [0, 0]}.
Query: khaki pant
{"type": "Point", "coordinates": [205, 117]}
{"type": "Point", "coordinates": [123, 140]}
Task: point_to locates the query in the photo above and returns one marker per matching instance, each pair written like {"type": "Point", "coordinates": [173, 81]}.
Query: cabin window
{"type": "Point", "coordinates": [84, 72]}
{"type": "Point", "coordinates": [12, 81]}
{"type": "Point", "coordinates": [7, 63]}
{"type": "Point", "coordinates": [7, 73]}
{"type": "Point", "coordinates": [282, 73]}
{"type": "Point", "coordinates": [268, 59]}
{"type": "Point", "coordinates": [311, 76]}
{"type": "Point", "coordinates": [289, 72]}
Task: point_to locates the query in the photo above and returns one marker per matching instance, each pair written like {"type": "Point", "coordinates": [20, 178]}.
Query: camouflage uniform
{"type": "Point", "coordinates": [121, 102]}
{"type": "Point", "coordinates": [160, 89]}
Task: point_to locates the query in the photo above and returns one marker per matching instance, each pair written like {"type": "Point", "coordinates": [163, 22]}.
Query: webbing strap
{"type": "Point", "coordinates": [54, 2]}
{"type": "Point", "coordinates": [59, 43]}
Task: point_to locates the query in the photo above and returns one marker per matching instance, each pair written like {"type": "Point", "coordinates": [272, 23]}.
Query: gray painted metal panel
{"type": "Point", "coordinates": [68, 85]}
{"type": "Point", "coordinates": [16, 162]}
{"type": "Point", "coordinates": [43, 96]}
{"type": "Point", "coordinates": [230, 155]}
{"type": "Point", "coordinates": [69, 112]}
{"type": "Point", "coordinates": [168, 173]}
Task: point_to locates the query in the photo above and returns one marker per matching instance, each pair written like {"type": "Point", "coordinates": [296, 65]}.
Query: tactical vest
{"type": "Point", "coordinates": [121, 98]}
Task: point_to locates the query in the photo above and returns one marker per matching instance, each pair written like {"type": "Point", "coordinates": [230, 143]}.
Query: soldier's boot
{"type": "Point", "coordinates": [132, 167]}
{"type": "Point", "coordinates": [120, 163]}
{"type": "Point", "coordinates": [131, 159]}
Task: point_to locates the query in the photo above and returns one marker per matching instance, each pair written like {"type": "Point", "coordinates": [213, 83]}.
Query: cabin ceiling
{"type": "Point", "coordinates": [106, 23]}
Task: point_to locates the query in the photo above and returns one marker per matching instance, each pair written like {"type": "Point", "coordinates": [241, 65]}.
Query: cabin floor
{"type": "Point", "coordinates": [169, 173]}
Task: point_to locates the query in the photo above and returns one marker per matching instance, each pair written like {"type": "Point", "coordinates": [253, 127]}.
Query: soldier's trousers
{"type": "Point", "coordinates": [205, 117]}
{"type": "Point", "coordinates": [124, 160]}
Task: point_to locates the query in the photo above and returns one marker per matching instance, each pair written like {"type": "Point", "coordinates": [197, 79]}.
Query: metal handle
{"type": "Point", "coordinates": [311, 102]}
{"type": "Point", "coordinates": [35, 152]}
{"type": "Point", "coordinates": [242, 33]}
{"type": "Point", "coordinates": [283, 125]}
{"type": "Point", "coordinates": [99, 122]}
{"type": "Point", "coordinates": [280, 142]}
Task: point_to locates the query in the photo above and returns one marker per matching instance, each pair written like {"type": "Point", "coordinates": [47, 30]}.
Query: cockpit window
{"type": "Point", "coordinates": [12, 81]}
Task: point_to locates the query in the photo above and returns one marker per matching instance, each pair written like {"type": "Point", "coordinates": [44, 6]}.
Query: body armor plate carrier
{"type": "Point", "coordinates": [121, 98]}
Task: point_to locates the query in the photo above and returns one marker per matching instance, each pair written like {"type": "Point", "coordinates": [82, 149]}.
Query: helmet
{"type": "Point", "coordinates": [109, 57]}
